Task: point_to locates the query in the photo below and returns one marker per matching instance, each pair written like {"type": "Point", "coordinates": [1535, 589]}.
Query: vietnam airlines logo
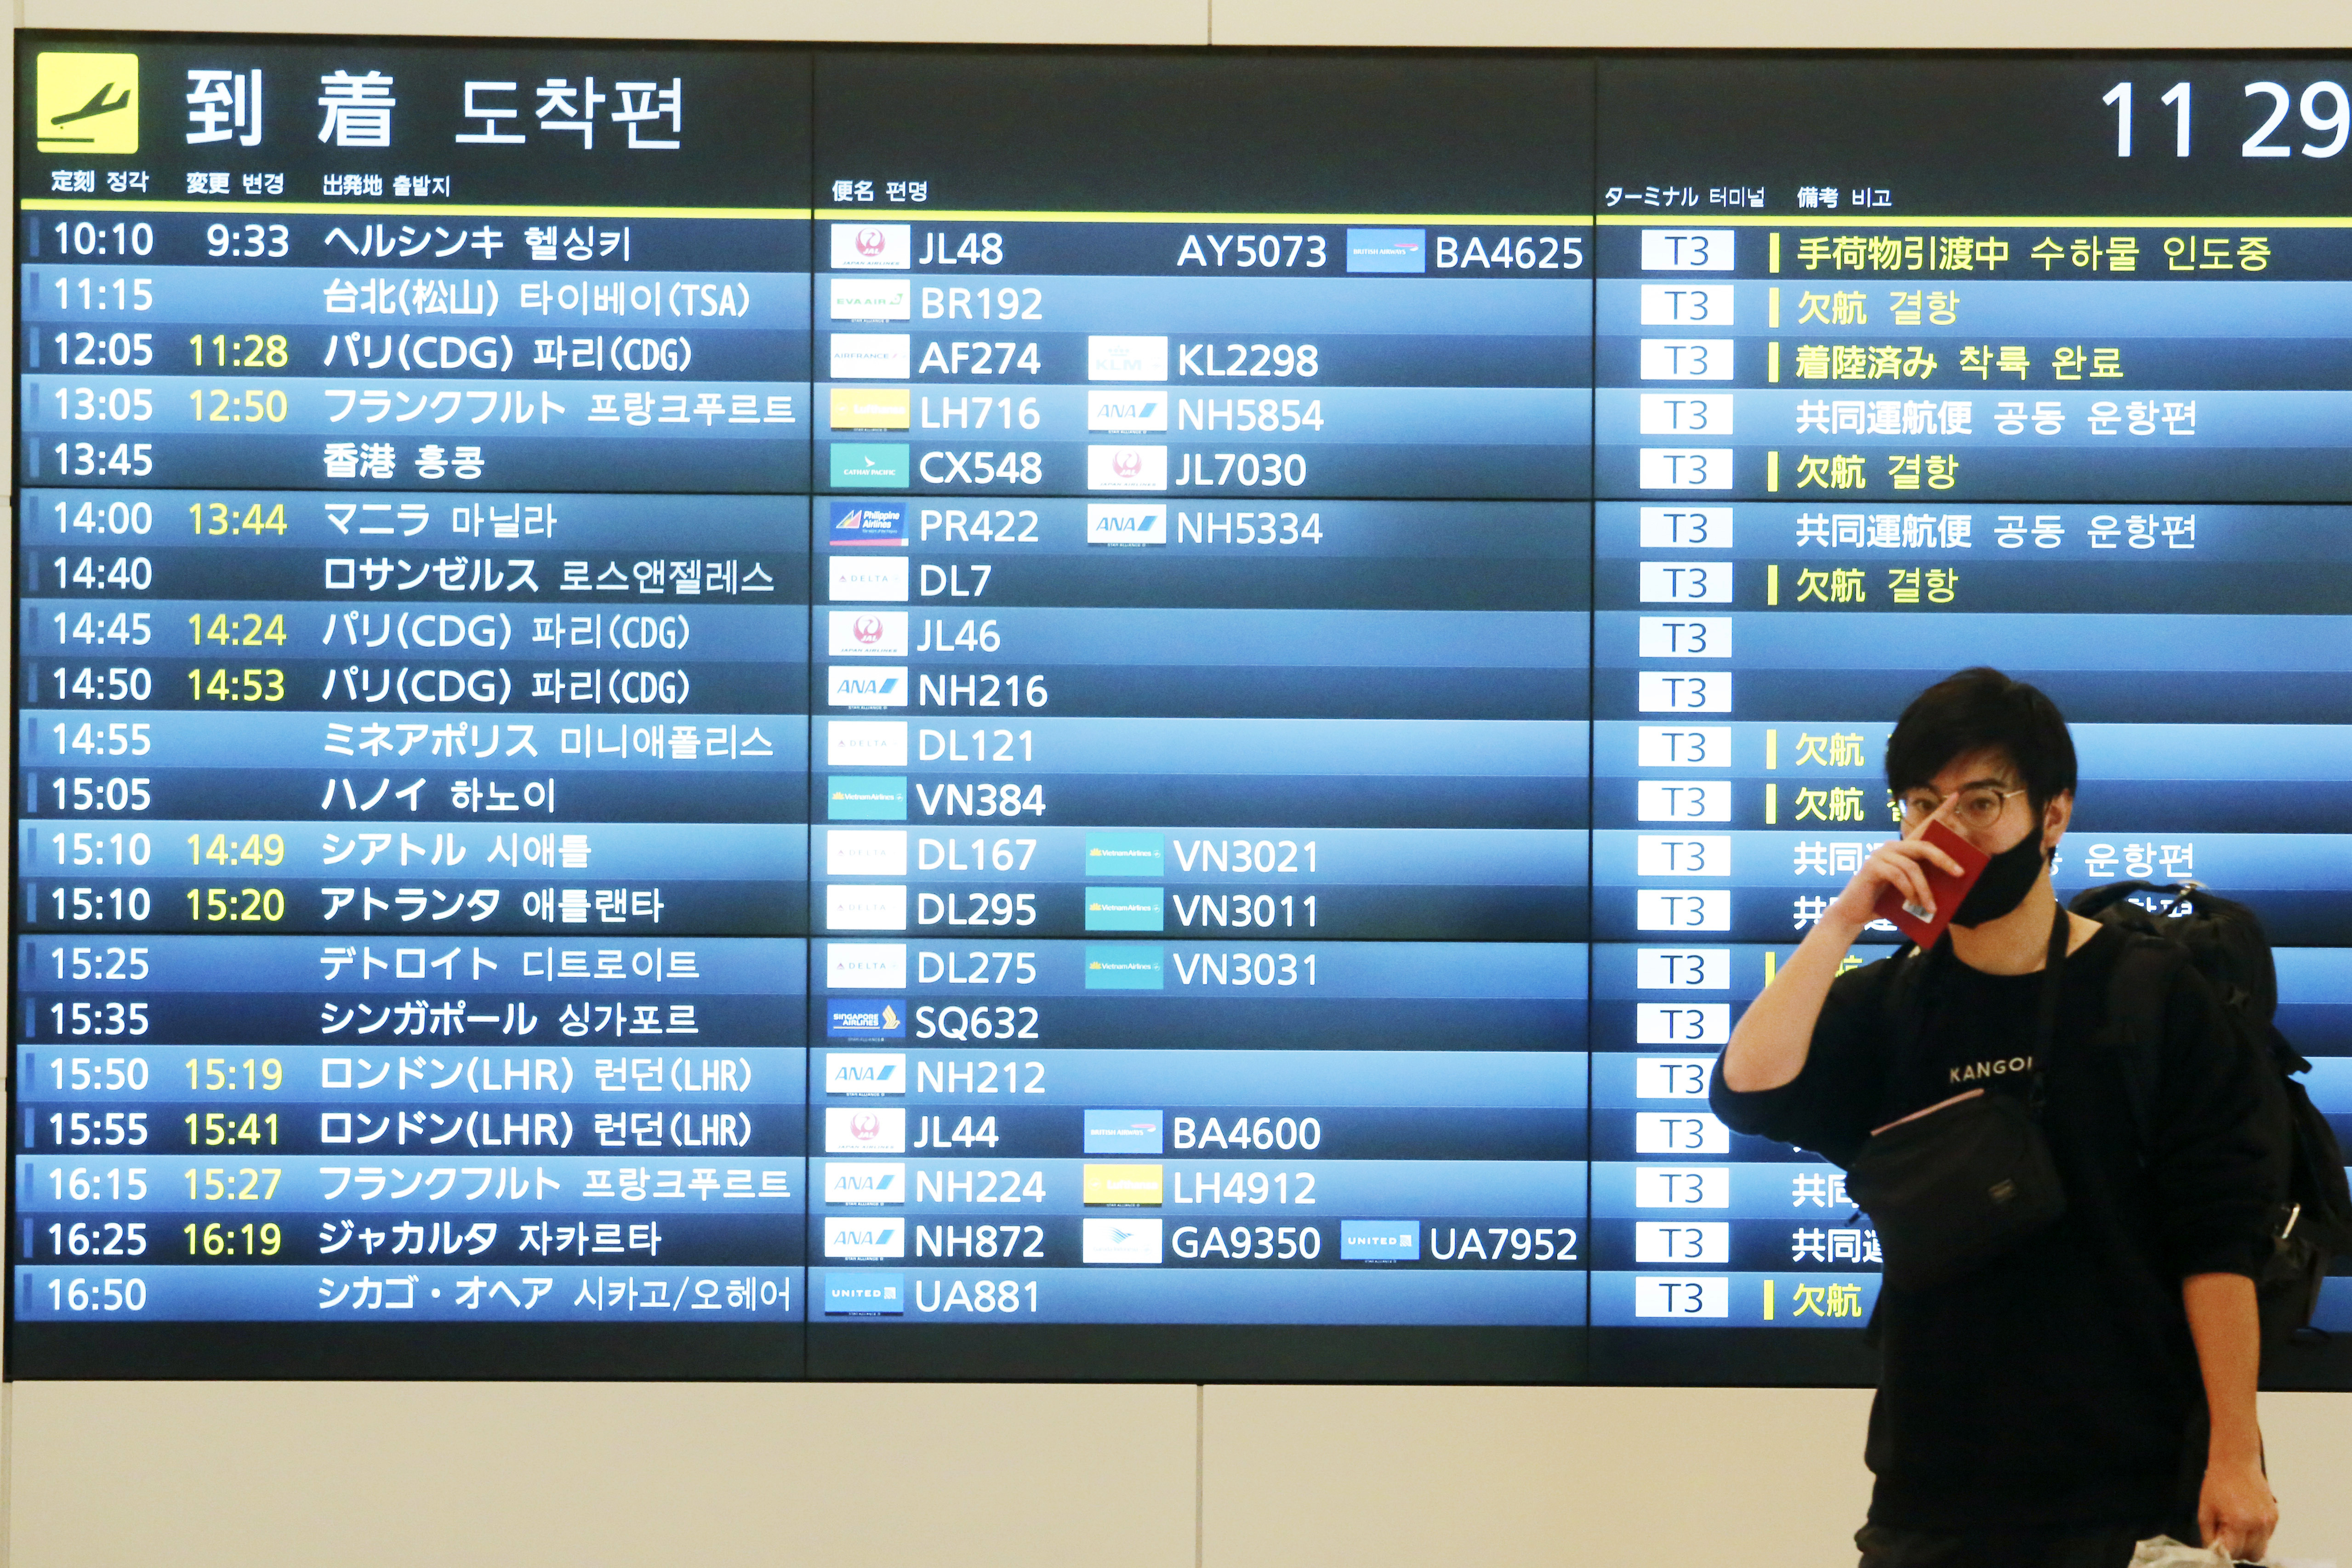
{"type": "Point", "coordinates": [86, 103]}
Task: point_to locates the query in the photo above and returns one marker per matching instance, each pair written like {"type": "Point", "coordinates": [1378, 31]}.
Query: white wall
{"type": "Point", "coordinates": [848, 1475]}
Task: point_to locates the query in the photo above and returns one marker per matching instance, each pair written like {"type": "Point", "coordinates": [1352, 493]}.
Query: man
{"type": "Point", "coordinates": [2094, 1384]}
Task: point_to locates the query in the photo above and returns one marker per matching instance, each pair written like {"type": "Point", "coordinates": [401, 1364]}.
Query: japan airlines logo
{"type": "Point", "coordinates": [1127, 467]}
{"type": "Point", "coordinates": [872, 244]}
{"type": "Point", "coordinates": [873, 634]}
{"type": "Point", "coordinates": [858, 1130]}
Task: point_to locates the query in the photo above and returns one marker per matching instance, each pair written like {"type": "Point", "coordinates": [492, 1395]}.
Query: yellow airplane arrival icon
{"type": "Point", "coordinates": [86, 103]}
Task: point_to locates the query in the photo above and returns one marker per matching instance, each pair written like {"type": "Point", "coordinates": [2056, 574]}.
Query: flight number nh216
{"type": "Point", "coordinates": [975, 1024]}
{"type": "Point", "coordinates": [1508, 253]}
{"type": "Point", "coordinates": [950, 303]}
{"type": "Point", "coordinates": [982, 690]}
{"type": "Point", "coordinates": [1253, 250]}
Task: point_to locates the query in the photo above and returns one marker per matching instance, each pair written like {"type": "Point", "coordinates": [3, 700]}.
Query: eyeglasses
{"type": "Point", "coordinates": [1977, 807]}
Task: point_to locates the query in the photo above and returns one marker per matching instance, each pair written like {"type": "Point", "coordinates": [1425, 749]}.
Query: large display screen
{"type": "Point", "coordinates": [747, 713]}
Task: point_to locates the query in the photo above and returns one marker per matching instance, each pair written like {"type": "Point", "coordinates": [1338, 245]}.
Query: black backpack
{"type": "Point", "coordinates": [2224, 940]}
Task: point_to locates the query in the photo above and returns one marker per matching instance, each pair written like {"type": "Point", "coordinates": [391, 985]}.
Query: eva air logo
{"type": "Point", "coordinates": [86, 103]}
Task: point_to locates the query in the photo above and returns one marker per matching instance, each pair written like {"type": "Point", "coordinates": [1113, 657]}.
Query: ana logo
{"type": "Point", "coordinates": [877, 687]}
{"type": "Point", "coordinates": [1127, 411]}
{"type": "Point", "coordinates": [867, 1182]}
{"type": "Point", "coordinates": [865, 1238]}
{"type": "Point", "coordinates": [1110, 523]}
{"type": "Point", "coordinates": [865, 1073]}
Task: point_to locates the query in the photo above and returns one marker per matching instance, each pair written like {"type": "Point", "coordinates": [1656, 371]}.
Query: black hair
{"type": "Point", "coordinates": [1980, 709]}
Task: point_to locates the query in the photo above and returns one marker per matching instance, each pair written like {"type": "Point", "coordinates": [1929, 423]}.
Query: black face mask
{"type": "Point", "coordinates": [2007, 877]}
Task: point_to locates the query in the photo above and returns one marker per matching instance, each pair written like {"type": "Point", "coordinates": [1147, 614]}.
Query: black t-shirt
{"type": "Point", "coordinates": [2057, 1385]}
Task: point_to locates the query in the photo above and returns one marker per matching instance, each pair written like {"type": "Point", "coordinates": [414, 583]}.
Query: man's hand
{"type": "Point", "coordinates": [2236, 1510]}
{"type": "Point", "coordinates": [1901, 864]}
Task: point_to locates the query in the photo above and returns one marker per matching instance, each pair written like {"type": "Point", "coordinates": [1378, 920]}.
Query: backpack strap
{"type": "Point", "coordinates": [2135, 1025]}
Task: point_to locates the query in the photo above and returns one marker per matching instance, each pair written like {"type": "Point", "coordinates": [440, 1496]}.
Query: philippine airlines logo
{"type": "Point", "coordinates": [860, 1130]}
{"type": "Point", "coordinates": [872, 244]}
{"type": "Point", "coordinates": [1127, 467]}
{"type": "Point", "coordinates": [871, 634]}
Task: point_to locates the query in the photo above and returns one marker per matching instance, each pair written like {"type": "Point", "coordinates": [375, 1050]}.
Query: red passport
{"type": "Point", "coordinates": [1948, 889]}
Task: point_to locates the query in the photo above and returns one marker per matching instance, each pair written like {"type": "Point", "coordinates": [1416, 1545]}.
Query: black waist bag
{"type": "Point", "coordinates": [1954, 1188]}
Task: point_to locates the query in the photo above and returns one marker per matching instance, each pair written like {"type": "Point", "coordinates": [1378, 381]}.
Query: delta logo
{"type": "Point", "coordinates": [865, 851]}
{"type": "Point", "coordinates": [865, 743]}
{"type": "Point", "coordinates": [866, 965]}
{"type": "Point", "coordinates": [865, 906]}
{"type": "Point", "coordinates": [863, 523]}
{"type": "Point", "coordinates": [873, 245]}
{"type": "Point", "coordinates": [886, 1020]}
{"type": "Point", "coordinates": [857, 578]}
